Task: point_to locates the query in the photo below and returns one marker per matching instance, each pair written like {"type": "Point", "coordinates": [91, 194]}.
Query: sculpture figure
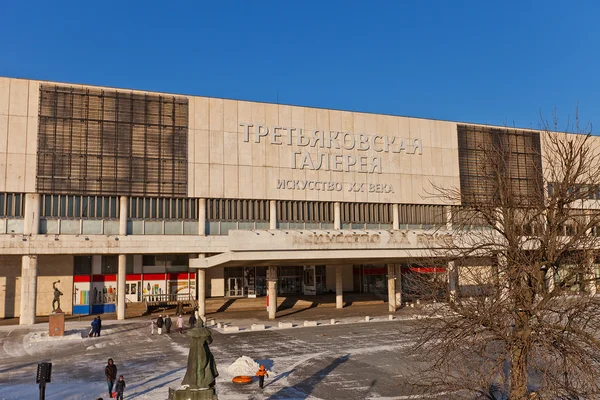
{"type": "Point", "coordinates": [57, 294]}
{"type": "Point", "coordinates": [201, 368]}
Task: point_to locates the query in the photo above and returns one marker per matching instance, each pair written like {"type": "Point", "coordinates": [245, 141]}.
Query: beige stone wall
{"type": "Point", "coordinates": [216, 278]}
{"type": "Point", "coordinates": [51, 269]}
{"type": "Point", "coordinates": [10, 286]}
{"type": "Point", "coordinates": [18, 134]}
{"type": "Point", "coordinates": [223, 164]}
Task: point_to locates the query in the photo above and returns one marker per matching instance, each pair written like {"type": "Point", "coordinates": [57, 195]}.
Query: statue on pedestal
{"type": "Point", "coordinates": [199, 380]}
{"type": "Point", "coordinates": [57, 294]}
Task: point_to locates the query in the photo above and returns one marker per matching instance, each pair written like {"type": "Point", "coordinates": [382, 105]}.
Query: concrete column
{"type": "Point", "coordinates": [123, 214]}
{"type": "Point", "coordinates": [448, 218]}
{"type": "Point", "coordinates": [398, 286]}
{"type": "Point", "coordinates": [391, 288]}
{"type": "Point", "coordinates": [272, 291]}
{"type": "Point", "coordinates": [273, 214]}
{"type": "Point", "coordinates": [396, 215]}
{"type": "Point", "coordinates": [452, 281]}
{"type": "Point", "coordinates": [29, 273]}
{"type": "Point", "coordinates": [31, 217]}
{"type": "Point", "coordinates": [590, 279]}
{"type": "Point", "coordinates": [337, 216]}
{"type": "Point", "coordinates": [201, 285]}
{"type": "Point", "coordinates": [339, 287]}
{"type": "Point", "coordinates": [202, 217]}
{"type": "Point", "coordinates": [121, 286]}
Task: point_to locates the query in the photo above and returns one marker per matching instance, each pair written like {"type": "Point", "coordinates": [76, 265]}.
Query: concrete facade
{"type": "Point", "coordinates": [236, 150]}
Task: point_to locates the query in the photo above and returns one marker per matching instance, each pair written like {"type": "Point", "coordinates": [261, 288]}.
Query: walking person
{"type": "Point", "coordinates": [180, 324]}
{"type": "Point", "coordinates": [168, 323]}
{"type": "Point", "coordinates": [111, 375]}
{"type": "Point", "coordinates": [192, 320]}
{"type": "Point", "coordinates": [261, 375]}
{"type": "Point", "coordinates": [120, 387]}
{"type": "Point", "coordinates": [94, 328]}
{"type": "Point", "coordinates": [159, 324]}
{"type": "Point", "coordinates": [99, 326]}
{"type": "Point", "coordinates": [152, 327]}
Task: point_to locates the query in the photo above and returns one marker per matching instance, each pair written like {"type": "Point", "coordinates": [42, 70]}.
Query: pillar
{"type": "Point", "coordinates": [272, 291]}
{"type": "Point", "coordinates": [339, 287]}
{"type": "Point", "coordinates": [201, 285]}
{"type": "Point", "coordinates": [121, 286]}
{"type": "Point", "coordinates": [398, 286]}
{"type": "Point", "coordinates": [29, 267]}
{"type": "Point", "coordinates": [448, 218]}
{"type": "Point", "coordinates": [396, 216]}
{"type": "Point", "coordinates": [31, 217]}
{"type": "Point", "coordinates": [590, 279]}
{"type": "Point", "coordinates": [452, 281]}
{"type": "Point", "coordinates": [122, 267]}
{"type": "Point", "coordinates": [29, 273]}
{"type": "Point", "coordinates": [123, 214]}
{"type": "Point", "coordinates": [337, 216]}
{"type": "Point", "coordinates": [202, 217]}
{"type": "Point", "coordinates": [391, 288]}
{"type": "Point", "coordinates": [273, 214]}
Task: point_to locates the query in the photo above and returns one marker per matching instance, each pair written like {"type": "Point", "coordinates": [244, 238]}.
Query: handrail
{"type": "Point", "coordinates": [167, 297]}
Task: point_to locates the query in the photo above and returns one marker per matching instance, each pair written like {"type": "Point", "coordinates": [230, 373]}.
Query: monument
{"type": "Point", "coordinates": [199, 380]}
{"type": "Point", "coordinates": [56, 326]}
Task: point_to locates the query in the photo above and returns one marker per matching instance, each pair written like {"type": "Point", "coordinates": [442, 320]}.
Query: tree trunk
{"type": "Point", "coordinates": [518, 372]}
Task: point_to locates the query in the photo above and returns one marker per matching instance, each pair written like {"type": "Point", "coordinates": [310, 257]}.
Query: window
{"type": "Point", "coordinates": [82, 265]}
{"type": "Point", "coordinates": [110, 264]}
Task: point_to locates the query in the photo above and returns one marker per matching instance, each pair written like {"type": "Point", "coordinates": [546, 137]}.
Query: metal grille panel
{"type": "Point", "coordinates": [102, 142]}
{"type": "Point", "coordinates": [516, 155]}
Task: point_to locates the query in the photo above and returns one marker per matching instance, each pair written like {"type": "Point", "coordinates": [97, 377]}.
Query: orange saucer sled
{"type": "Point", "coordinates": [243, 380]}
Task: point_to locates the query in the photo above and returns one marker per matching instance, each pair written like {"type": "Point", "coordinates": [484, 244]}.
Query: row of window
{"type": "Point", "coordinates": [589, 192]}
{"type": "Point", "coordinates": [110, 264]}
{"type": "Point", "coordinates": [12, 204]}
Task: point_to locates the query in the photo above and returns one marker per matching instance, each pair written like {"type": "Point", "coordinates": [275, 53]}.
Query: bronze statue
{"type": "Point", "coordinates": [201, 368]}
{"type": "Point", "coordinates": [57, 294]}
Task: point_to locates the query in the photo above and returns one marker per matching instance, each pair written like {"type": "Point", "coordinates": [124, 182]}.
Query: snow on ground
{"type": "Point", "coordinates": [354, 362]}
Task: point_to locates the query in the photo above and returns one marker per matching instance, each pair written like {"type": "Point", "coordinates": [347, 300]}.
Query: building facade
{"type": "Point", "coordinates": [126, 195]}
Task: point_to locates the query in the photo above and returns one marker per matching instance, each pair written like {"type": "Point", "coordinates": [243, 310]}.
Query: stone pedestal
{"type": "Point", "coordinates": [57, 324]}
{"type": "Point", "coordinates": [192, 394]}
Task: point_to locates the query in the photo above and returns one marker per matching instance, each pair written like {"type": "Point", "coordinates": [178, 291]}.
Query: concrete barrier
{"type": "Point", "coordinates": [285, 325]}
{"type": "Point", "coordinates": [219, 325]}
{"type": "Point", "coordinates": [332, 321]}
{"type": "Point", "coordinates": [390, 317]}
{"type": "Point", "coordinates": [367, 319]}
{"type": "Point", "coordinates": [257, 327]}
{"type": "Point", "coordinates": [310, 323]}
{"type": "Point", "coordinates": [232, 329]}
{"type": "Point", "coordinates": [211, 322]}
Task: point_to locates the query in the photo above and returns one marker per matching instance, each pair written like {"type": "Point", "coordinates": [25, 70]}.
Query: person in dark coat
{"type": "Point", "coordinates": [120, 387]}
{"type": "Point", "coordinates": [159, 324]}
{"type": "Point", "coordinates": [94, 327]}
{"type": "Point", "coordinates": [99, 326]}
{"type": "Point", "coordinates": [168, 323]}
{"type": "Point", "coordinates": [192, 321]}
{"type": "Point", "coordinates": [111, 375]}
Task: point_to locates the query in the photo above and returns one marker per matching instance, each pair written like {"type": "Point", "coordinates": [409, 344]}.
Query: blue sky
{"type": "Point", "coordinates": [499, 63]}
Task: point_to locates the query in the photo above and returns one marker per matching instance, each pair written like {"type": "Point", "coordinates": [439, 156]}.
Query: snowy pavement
{"type": "Point", "coordinates": [352, 359]}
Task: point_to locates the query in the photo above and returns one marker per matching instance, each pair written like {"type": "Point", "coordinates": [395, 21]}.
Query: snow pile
{"type": "Point", "coordinates": [243, 366]}
{"type": "Point", "coordinates": [45, 337]}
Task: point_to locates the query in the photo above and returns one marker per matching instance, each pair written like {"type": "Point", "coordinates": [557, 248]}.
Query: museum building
{"type": "Point", "coordinates": [127, 196]}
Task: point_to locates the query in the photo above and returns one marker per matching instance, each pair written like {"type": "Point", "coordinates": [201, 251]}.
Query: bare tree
{"type": "Point", "coordinates": [525, 234]}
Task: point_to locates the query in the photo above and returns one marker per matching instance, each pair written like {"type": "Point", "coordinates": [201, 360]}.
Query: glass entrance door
{"type": "Point", "coordinates": [235, 287]}
{"type": "Point", "coordinates": [309, 284]}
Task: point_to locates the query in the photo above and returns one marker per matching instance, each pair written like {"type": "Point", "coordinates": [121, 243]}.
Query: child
{"type": "Point", "coordinates": [152, 327]}
{"type": "Point", "coordinates": [120, 387]}
{"type": "Point", "coordinates": [261, 375]}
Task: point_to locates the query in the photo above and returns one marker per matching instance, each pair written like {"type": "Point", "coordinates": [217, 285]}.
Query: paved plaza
{"type": "Point", "coordinates": [352, 359]}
